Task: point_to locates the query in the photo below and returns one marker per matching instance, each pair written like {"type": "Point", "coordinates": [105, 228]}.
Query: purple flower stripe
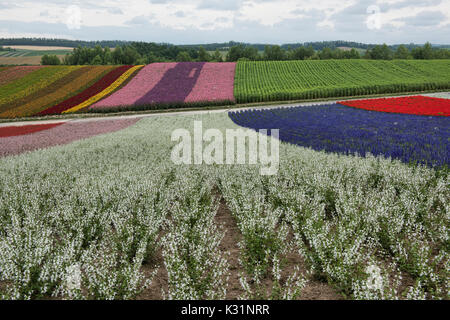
{"type": "Point", "coordinates": [63, 134]}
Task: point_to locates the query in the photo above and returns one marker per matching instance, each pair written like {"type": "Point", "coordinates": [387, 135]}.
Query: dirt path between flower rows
{"type": "Point", "coordinates": [314, 289]}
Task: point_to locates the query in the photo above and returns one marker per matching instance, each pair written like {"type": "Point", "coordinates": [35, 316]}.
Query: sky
{"type": "Point", "coordinates": [208, 21]}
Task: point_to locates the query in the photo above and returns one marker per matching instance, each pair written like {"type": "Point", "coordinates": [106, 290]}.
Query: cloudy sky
{"type": "Point", "coordinates": [205, 21]}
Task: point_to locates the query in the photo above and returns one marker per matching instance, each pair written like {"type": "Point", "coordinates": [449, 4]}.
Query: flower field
{"type": "Point", "coordinates": [9, 74]}
{"type": "Point", "coordinates": [419, 105]}
{"type": "Point", "coordinates": [17, 140]}
{"type": "Point", "coordinates": [174, 83]}
{"type": "Point", "coordinates": [31, 83]}
{"type": "Point", "coordinates": [61, 90]}
{"type": "Point", "coordinates": [290, 80]}
{"type": "Point", "coordinates": [339, 129]}
{"type": "Point", "coordinates": [42, 91]}
{"type": "Point", "coordinates": [98, 88]}
{"type": "Point", "coordinates": [111, 217]}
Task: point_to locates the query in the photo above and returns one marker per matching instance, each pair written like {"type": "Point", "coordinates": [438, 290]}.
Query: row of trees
{"type": "Point", "coordinates": [145, 53]}
{"type": "Point", "coordinates": [426, 52]}
{"type": "Point", "coordinates": [379, 52]}
{"type": "Point", "coordinates": [134, 54]}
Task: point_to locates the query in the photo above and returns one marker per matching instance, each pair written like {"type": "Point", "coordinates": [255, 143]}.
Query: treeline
{"type": "Point", "coordinates": [145, 53]}
{"type": "Point", "coordinates": [378, 52]}
{"type": "Point", "coordinates": [133, 54]}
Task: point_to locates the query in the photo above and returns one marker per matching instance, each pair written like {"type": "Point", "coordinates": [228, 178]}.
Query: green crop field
{"type": "Point", "coordinates": [292, 80]}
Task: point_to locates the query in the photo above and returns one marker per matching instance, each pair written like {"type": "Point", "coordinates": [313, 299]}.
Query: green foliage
{"type": "Point", "coordinates": [295, 80]}
{"type": "Point", "coordinates": [217, 56]}
{"type": "Point", "coordinates": [402, 53]}
{"type": "Point", "coordinates": [50, 60]}
{"type": "Point", "coordinates": [381, 53]}
{"type": "Point", "coordinates": [184, 56]}
{"type": "Point", "coordinates": [274, 53]}
{"type": "Point", "coordinates": [203, 55]}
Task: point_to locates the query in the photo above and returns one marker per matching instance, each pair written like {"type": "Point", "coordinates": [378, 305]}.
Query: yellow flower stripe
{"type": "Point", "coordinates": [105, 92]}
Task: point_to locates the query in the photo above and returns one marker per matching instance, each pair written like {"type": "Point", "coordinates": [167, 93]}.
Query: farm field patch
{"type": "Point", "coordinates": [289, 80]}
{"type": "Point", "coordinates": [112, 217]}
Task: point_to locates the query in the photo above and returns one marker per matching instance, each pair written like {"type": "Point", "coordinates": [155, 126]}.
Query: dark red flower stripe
{"type": "Point", "coordinates": [96, 88]}
{"type": "Point", "coordinates": [419, 105]}
{"type": "Point", "coordinates": [22, 130]}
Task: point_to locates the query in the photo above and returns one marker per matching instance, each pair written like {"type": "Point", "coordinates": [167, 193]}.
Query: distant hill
{"type": "Point", "coordinates": [224, 46]}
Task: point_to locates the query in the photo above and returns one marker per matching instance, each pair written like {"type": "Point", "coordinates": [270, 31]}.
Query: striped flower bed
{"type": "Point", "coordinates": [32, 83]}
{"type": "Point", "coordinates": [61, 90]}
{"type": "Point", "coordinates": [13, 73]}
{"type": "Point", "coordinates": [175, 83]}
{"type": "Point", "coordinates": [99, 87]}
{"type": "Point", "coordinates": [116, 84]}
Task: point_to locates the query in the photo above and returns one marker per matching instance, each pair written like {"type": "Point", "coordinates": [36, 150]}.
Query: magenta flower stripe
{"type": "Point", "coordinates": [215, 83]}
{"type": "Point", "coordinates": [141, 84]}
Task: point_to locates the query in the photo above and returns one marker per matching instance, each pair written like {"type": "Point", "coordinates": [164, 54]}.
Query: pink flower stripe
{"type": "Point", "coordinates": [142, 83]}
{"type": "Point", "coordinates": [215, 83]}
{"type": "Point", "coordinates": [14, 73]}
{"type": "Point", "coordinates": [63, 134]}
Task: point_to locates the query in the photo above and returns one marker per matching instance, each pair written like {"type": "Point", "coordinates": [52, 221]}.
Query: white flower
{"type": "Point", "coordinates": [375, 279]}
{"type": "Point", "coordinates": [73, 279]}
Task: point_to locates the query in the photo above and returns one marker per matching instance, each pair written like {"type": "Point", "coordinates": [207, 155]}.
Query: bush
{"type": "Point", "coordinates": [50, 60]}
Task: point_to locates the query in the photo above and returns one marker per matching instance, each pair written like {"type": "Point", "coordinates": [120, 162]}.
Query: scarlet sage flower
{"type": "Point", "coordinates": [13, 131]}
{"type": "Point", "coordinates": [419, 105]}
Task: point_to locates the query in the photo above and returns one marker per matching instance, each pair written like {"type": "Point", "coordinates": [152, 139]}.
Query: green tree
{"type": "Point", "coordinates": [401, 53]}
{"type": "Point", "coordinates": [235, 53]}
{"type": "Point", "coordinates": [274, 53]}
{"type": "Point", "coordinates": [203, 55]}
{"type": "Point", "coordinates": [251, 53]}
{"type": "Point", "coordinates": [183, 56]}
{"type": "Point", "coordinates": [217, 56]}
{"type": "Point", "coordinates": [381, 53]}
{"type": "Point", "coordinates": [97, 61]}
{"type": "Point", "coordinates": [47, 60]}
{"type": "Point", "coordinates": [301, 53]}
{"type": "Point", "coordinates": [326, 54]}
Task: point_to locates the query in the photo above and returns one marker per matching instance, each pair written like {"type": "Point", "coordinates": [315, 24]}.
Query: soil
{"type": "Point", "coordinates": [230, 244]}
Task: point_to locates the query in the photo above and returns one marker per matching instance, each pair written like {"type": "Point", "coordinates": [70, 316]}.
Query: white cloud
{"type": "Point", "coordinates": [336, 16]}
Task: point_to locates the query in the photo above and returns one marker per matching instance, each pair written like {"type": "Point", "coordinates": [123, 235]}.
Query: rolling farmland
{"type": "Point", "coordinates": [47, 90]}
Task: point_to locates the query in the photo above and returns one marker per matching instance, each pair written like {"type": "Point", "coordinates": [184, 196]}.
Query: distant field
{"type": "Point", "coordinates": [19, 60]}
{"type": "Point", "coordinates": [38, 48]}
{"type": "Point", "coordinates": [291, 80]}
{"type": "Point", "coordinates": [30, 54]}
